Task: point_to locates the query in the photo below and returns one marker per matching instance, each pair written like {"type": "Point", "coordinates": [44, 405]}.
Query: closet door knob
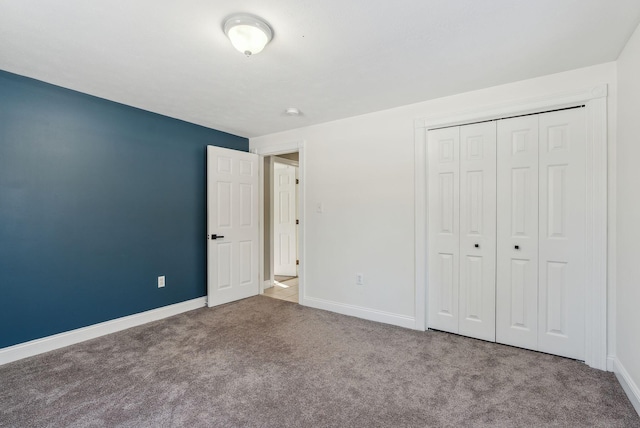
{"type": "Point", "coordinates": [477, 245]}
{"type": "Point", "coordinates": [517, 247]}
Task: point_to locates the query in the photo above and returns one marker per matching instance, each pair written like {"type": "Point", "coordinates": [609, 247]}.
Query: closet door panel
{"type": "Point", "coordinates": [562, 232]}
{"type": "Point", "coordinates": [443, 147]}
{"type": "Point", "coordinates": [517, 232]}
{"type": "Point", "coordinates": [477, 230]}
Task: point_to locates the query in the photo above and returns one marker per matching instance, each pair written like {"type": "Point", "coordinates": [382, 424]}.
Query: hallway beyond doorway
{"type": "Point", "coordinates": [284, 288]}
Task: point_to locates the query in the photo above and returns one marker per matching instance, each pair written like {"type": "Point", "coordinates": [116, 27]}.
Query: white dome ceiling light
{"type": "Point", "coordinates": [247, 33]}
{"type": "Point", "coordinates": [292, 111]}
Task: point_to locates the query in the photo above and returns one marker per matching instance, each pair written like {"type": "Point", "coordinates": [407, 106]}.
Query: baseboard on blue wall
{"type": "Point", "coordinates": [361, 312]}
{"type": "Point", "coordinates": [629, 386]}
{"type": "Point", "coordinates": [49, 343]}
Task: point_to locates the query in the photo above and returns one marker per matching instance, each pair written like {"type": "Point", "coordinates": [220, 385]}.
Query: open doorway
{"type": "Point", "coordinates": [281, 181]}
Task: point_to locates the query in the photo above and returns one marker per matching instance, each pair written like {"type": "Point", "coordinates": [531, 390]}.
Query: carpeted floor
{"type": "Point", "coordinates": [263, 362]}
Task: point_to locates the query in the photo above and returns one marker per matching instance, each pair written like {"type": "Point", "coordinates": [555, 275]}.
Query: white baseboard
{"type": "Point", "coordinates": [629, 386]}
{"type": "Point", "coordinates": [267, 284]}
{"type": "Point", "coordinates": [360, 312]}
{"type": "Point", "coordinates": [49, 343]}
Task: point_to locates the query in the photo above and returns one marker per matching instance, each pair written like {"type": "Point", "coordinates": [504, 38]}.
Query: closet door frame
{"type": "Point", "coordinates": [595, 101]}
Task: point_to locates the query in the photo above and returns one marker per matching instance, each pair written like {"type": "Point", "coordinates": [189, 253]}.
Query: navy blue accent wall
{"type": "Point", "coordinates": [97, 199]}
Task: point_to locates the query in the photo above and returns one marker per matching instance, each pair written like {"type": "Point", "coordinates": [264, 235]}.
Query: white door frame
{"type": "Point", "coordinates": [272, 198]}
{"type": "Point", "coordinates": [595, 101]}
{"type": "Point", "coordinates": [290, 147]}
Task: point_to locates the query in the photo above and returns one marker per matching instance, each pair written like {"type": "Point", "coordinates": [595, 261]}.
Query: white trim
{"type": "Point", "coordinates": [596, 249]}
{"type": "Point", "coordinates": [360, 312]}
{"type": "Point", "coordinates": [611, 359]}
{"type": "Point", "coordinates": [266, 284]}
{"type": "Point", "coordinates": [596, 238]}
{"type": "Point", "coordinates": [629, 386]}
{"type": "Point", "coordinates": [515, 107]}
{"type": "Point", "coordinates": [49, 343]}
{"type": "Point", "coordinates": [612, 230]}
{"type": "Point", "coordinates": [270, 243]}
{"type": "Point", "coordinates": [290, 147]}
{"type": "Point", "coordinates": [261, 280]}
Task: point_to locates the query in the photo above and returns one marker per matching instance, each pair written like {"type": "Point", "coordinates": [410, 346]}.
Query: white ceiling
{"type": "Point", "coordinates": [330, 58]}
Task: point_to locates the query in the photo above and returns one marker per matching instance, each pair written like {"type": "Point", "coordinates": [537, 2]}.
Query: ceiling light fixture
{"type": "Point", "coordinates": [292, 111]}
{"type": "Point", "coordinates": [247, 33]}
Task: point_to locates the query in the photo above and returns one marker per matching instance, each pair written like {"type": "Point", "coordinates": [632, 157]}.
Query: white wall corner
{"type": "Point", "coordinates": [611, 360]}
{"type": "Point", "coordinates": [267, 284]}
{"type": "Point", "coordinates": [629, 386]}
{"type": "Point", "coordinates": [56, 341]}
{"type": "Point", "coordinates": [360, 312]}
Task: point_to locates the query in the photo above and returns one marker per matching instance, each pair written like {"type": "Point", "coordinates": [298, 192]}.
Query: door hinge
{"type": "Point", "coordinates": [297, 262]}
{"type": "Point", "coordinates": [297, 181]}
{"type": "Point", "coordinates": [297, 221]}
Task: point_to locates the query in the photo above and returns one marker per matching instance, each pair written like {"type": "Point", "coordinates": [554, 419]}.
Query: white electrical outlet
{"type": "Point", "coordinates": [161, 281]}
{"type": "Point", "coordinates": [359, 279]}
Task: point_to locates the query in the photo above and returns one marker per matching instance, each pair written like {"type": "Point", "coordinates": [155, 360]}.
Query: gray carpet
{"type": "Point", "coordinates": [263, 362]}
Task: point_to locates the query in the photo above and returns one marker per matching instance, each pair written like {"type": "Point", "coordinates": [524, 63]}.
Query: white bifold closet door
{"type": "Point", "coordinates": [517, 252]}
{"type": "Point", "coordinates": [462, 229]}
{"type": "Point", "coordinates": [563, 226]}
{"type": "Point", "coordinates": [506, 231]}
{"type": "Point", "coordinates": [541, 232]}
{"type": "Point", "coordinates": [443, 228]}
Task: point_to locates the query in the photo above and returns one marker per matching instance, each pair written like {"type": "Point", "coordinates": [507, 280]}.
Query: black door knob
{"type": "Point", "coordinates": [477, 245]}
{"type": "Point", "coordinates": [216, 236]}
{"type": "Point", "coordinates": [517, 247]}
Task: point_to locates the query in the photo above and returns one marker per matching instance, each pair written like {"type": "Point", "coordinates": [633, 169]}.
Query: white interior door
{"type": "Point", "coordinates": [562, 210]}
{"type": "Point", "coordinates": [284, 220]}
{"type": "Point", "coordinates": [232, 225]}
{"type": "Point", "coordinates": [443, 147]}
{"type": "Point", "coordinates": [517, 220]}
{"type": "Point", "coordinates": [477, 291]}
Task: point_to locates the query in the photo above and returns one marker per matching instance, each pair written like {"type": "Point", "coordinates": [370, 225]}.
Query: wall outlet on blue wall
{"type": "Point", "coordinates": [161, 281]}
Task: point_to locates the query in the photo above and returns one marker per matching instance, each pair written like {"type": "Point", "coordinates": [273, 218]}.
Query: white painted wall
{"type": "Point", "coordinates": [628, 215]}
{"type": "Point", "coordinates": [362, 170]}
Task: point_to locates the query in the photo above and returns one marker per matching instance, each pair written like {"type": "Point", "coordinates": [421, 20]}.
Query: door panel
{"type": "Point", "coordinates": [224, 265]}
{"type": "Point", "coordinates": [477, 230]}
{"type": "Point", "coordinates": [246, 262]}
{"type": "Point", "coordinates": [232, 212]}
{"type": "Point", "coordinates": [562, 232]}
{"type": "Point", "coordinates": [517, 226]}
{"type": "Point", "coordinates": [443, 234]}
{"type": "Point", "coordinates": [223, 204]}
{"type": "Point", "coordinates": [246, 204]}
{"type": "Point", "coordinates": [519, 312]}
